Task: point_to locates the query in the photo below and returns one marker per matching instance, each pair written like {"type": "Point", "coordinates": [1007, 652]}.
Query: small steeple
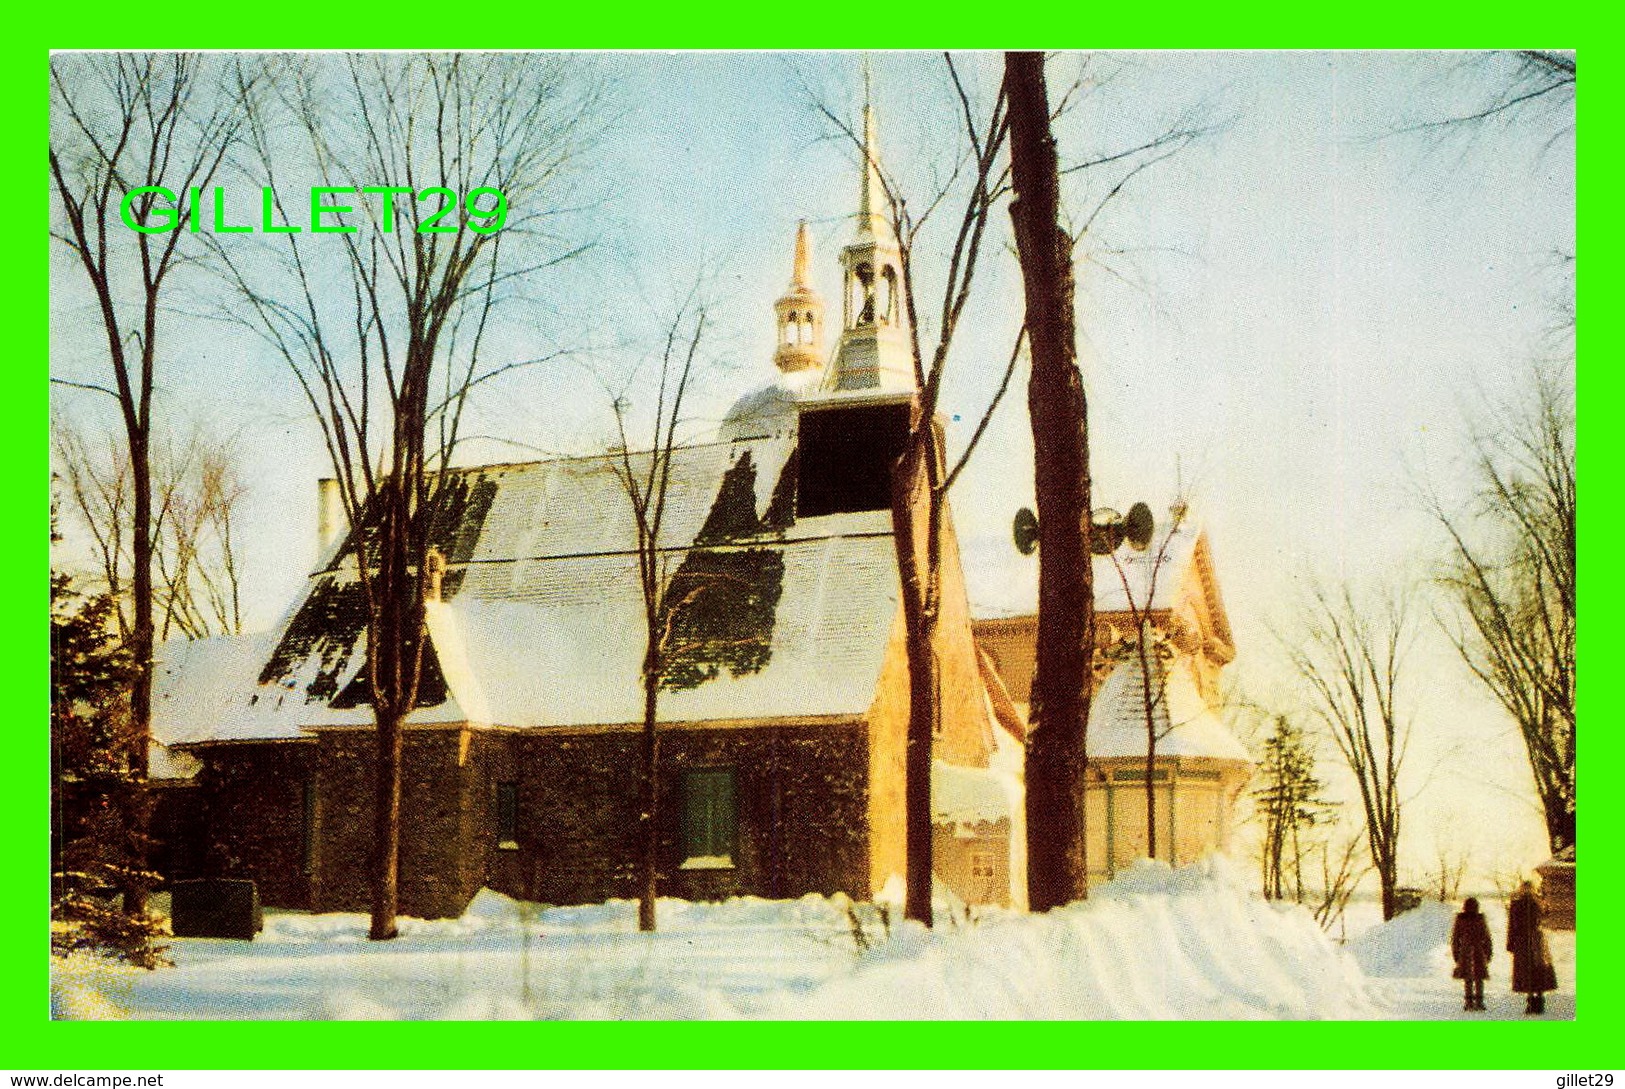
{"type": "Point", "coordinates": [800, 312]}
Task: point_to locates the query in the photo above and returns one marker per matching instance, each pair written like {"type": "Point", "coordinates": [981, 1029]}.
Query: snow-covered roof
{"type": "Point", "coordinates": [1179, 558]}
{"type": "Point", "coordinates": [1185, 724]}
{"type": "Point", "coordinates": [541, 622]}
{"type": "Point", "coordinates": [204, 689]}
{"type": "Point", "coordinates": [771, 408]}
{"type": "Point", "coordinates": [572, 657]}
{"type": "Point", "coordinates": [165, 764]}
{"type": "Point", "coordinates": [208, 690]}
{"type": "Point", "coordinates": [1149, 578]}
{"type": "Point", "coordinates": [965, 795]}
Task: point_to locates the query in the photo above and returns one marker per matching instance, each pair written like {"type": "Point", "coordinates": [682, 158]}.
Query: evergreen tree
{"type": "Point", "coordinates": [97, 845]}
{"type": "Point", "coordinates": [1289, 801]}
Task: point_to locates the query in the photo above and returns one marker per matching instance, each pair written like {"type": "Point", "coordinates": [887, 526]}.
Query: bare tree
{"type": "Point", "coordinates": [131, 134]}
{"type": "Point", "coordinates": [1151, 651]}
{"type": "Point", "coordinates": [1351, 660]}
{"type": "Point", "coordinates": [96, 477]}
{"type": "Point", "coordinates": [474, 149]}
{"type": "Point", "coordinates": [921, 478]}
{"type": "Point", "coordinates": [1519, 83]}
{"type": "Point", "coordinates": [1449, 871]}
{"type": "Point", "coordinates": [1046, 241]}
{"type": "Point", "coordinates": [1511, 576]}
{"type": "Point", "coordinates": [1340, 874]}
{"type": "Point", "coordinates": [646, 481]}
{"type": "Point", "coordinates": [197, 558]}
{"type": "Point", "coordinates": [1511, 571]}
{"type": "Point", "coordinates": [196, 487]}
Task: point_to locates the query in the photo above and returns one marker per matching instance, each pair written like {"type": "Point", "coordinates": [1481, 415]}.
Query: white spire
{"type": "Point", "coordinates": [874, 208]}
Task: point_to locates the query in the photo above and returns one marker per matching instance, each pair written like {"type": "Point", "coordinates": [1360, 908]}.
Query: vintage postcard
{"type": "Point", "coordinates": [813, 535]}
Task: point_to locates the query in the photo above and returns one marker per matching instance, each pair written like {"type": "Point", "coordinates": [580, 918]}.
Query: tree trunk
{"type": "Point", "coordinates": [1271, 850]}
{"type": "Point", "coordinates": [916, 515]}
{"type": "Point", "coordinates": [649, 798]}
{"type": "Point", "coordinates": [386, 844]}
{"type": "Point", "coordinates": [394, 652]}
{"type": "Point", "coordinates": [1148, 700]}
{"type": "Point", "coordinates": [1297, 861]}
{"type": "Point", "coordinates": [1056, 757]}
{"type": "Point", "coordinates": [141, 654]}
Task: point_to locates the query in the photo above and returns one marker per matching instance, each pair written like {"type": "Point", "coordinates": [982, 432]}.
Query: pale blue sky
{"type": "Point", "coordinates": [1306, 308]}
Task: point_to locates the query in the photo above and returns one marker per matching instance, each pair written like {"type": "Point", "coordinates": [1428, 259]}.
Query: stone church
{"type": "Point", "coordinates": [783, 712]}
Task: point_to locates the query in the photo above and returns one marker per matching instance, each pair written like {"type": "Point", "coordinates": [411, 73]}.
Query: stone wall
{"type": "Point", "coordinates": [800, 796]}
{"type": "Point", "coordinates": [800, 805]}
{"type": "Point", "coordinates": [251, 800]}
{"type": "Point", "coordinates": [442, 818]}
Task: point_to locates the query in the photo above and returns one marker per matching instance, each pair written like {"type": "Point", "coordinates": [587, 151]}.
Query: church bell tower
{"type": "Point", "coordinates": [874, 349]}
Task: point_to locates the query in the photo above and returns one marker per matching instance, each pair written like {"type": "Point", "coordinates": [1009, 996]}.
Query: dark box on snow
{"type": "Point", "coordinates": [215, 909]}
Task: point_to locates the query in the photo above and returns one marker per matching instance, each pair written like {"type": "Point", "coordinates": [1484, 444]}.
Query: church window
{"type": "Point", "coordinates": [508, 815]}
{"type": "Point", "coordinates": [307, 825]}
{"type": "Point", "coordinates": [888, 295]}
{"type": "Point", "coordinates": [709, 817]}
{"type": "Point", "coordinates": [806, 328]}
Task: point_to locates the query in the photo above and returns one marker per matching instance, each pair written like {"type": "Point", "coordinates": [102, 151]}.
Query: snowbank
{"type": "Point", "coordinates": [1155, 944]}
{"type": "Point", "coordinates": [1416, 942]}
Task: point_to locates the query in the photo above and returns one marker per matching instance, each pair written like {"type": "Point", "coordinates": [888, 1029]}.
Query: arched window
{"type": "Point", "coordinates": [865, 286]}
{"type": "Point", "coordinates": [807, 328]}
{"type": "Point", "coordinates": [888, 305]}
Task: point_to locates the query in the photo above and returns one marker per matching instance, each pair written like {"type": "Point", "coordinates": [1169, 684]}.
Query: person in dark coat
{"type": "Point", "coordinates": [1471, 946]}
{"type": "Point", "coordinates": [1532, 971]}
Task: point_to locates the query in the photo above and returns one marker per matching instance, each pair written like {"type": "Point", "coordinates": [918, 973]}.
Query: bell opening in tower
{"type": "Point", "coordinates": [864, 293]}
{"type": "Point", "coordinates": [845, 458]}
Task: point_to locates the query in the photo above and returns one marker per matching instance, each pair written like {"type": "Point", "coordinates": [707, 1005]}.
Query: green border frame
{"type": "Point", "coordinates": [32, 1041]}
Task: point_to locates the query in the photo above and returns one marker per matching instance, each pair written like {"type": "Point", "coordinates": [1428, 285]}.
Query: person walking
{"type": "Point", "coordinates": [1470, 944]}
{"type": "Point", "coordinates": [1532, 971]}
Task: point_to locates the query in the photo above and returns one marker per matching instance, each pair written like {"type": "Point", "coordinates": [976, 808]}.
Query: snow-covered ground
{"type": "Point", "coordinates": [1407, 966]}
{"type": "Point", "coordinates": [1154, 944]}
